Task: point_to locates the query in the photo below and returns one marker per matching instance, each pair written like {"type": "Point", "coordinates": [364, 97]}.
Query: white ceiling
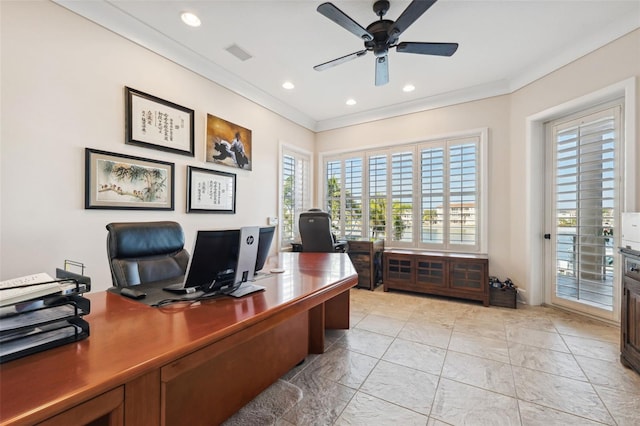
{"type": "Point", "coordinates": [504, 45]}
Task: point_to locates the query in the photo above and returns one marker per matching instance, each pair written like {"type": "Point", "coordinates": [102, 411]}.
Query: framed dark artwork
{"type": "Point", "coordinates": [210, 191]}
{"type": "Point", "coordinates": [122, 182]}
{"type": "Point", "coordinates": [154, 123]}
{"type": "Point", "coordinates": [228, 143]}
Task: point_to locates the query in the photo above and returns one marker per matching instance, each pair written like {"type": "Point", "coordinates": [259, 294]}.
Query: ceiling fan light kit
{"type": "Point", "coordinates": [382, 35]}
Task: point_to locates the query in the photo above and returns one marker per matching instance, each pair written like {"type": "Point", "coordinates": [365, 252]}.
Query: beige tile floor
{"type": "Point", "coordinates": [419, 360]}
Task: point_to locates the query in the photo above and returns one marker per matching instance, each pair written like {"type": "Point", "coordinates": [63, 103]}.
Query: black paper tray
{"type": "Point", "coordinates": [26, 315]}
{"type": "Point", "coordinates": [44, 337]}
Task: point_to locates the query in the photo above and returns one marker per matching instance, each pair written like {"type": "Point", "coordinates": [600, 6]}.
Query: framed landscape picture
{"type": "Point", "coordinates": [228, 143]}
{"type": "Point", "coordinates": [210, 191]}
{"type": "Point", "coordinates": [117, 181]}
{"type": "Point", "coordinates": [155, 123]}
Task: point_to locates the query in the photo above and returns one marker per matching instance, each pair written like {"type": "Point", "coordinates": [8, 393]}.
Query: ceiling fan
{"type": "Point", "coordinates": [383, 34]}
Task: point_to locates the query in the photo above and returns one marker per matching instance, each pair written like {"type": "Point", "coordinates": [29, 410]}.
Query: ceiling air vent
{"type": "Point", "coordinates": [238, 52]}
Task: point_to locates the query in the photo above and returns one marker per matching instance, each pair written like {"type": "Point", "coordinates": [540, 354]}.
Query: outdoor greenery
{"type": "Point", "coordinates": [353, 211]}
{"type": "Point", "coordinates": [288, 208]}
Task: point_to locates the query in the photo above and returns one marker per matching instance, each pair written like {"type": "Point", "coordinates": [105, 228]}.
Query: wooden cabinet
{"type": "Point", "coordinates": [445, 274]}
{"type": "Point", "coordinates": [366, 257]}
{"type": "Point", "coordinates": [630, 312]}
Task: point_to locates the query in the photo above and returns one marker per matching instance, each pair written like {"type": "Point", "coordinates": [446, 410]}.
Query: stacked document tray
{"type": "Point", "coordinates": [43, 322]}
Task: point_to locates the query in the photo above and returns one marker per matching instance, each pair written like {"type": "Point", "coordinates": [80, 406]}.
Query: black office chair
{"type": "Point", "coordinates": [143, 252]}
{"type": "Point", "coordinates": [315, 232]}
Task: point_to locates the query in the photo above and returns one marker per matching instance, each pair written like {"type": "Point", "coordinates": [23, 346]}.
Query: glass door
{"type": "Point", "coordinates": [583, 172]}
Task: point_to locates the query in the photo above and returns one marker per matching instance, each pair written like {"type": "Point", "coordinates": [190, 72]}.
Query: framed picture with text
{"type": "Point", "coordinates": [210, 191]}
{"type": "Point", "coordinates": [154, 123]}
{"type": "Point", "coordinates": [122, 182]}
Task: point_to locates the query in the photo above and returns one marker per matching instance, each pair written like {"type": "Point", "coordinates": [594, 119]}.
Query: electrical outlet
{"type": "Point", "coordinates": [272, 221]}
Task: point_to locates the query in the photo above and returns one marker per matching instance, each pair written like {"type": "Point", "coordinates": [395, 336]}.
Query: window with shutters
{"type": "Point", "coordinates": [377, 200]}
{"type": "Point", "coordinates": [585, 206]}
{"type": "Point", "coordinates": [334, 191]}
{"type": "Point", "coordinates": [296, 193]}
{"type": "Point", "coordinates": [402, 196]}
{"type": "Point", "coordinates": [422, 195]}
{"type": "Point", "coordinates": [353, 198]}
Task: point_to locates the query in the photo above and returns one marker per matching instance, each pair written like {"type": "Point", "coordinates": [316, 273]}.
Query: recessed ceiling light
{"type": "Point", "coordinates": [351, 102]}
{"type": "Point", "coordinates": [409, 88]}
{"type": "Point", "coordinates": [190, 19]}
{"type": "Point", "coordinates": [288, 85]}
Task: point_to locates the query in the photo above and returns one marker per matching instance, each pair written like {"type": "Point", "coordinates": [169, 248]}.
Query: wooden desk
{"type": "Point", "coordinates": [184, 364]}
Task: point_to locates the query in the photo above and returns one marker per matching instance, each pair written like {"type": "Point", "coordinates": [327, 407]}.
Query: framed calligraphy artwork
{"type": "Point", "coordinates": [121, 182]}
{"type": "Point", "coordinates": [152, 122]}
{"type": "Point", "coordinates": [210, 191]}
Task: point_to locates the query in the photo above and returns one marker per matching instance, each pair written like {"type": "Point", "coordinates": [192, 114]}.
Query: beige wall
{"type": "Point", "coordinates": [63, 81]}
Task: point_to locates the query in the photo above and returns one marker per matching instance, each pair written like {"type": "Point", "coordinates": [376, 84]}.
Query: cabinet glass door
{"type": "Point", "coordinates": [431, 272]}
{"type": "Point", "coordinates": [467, 276]}
{"type": "Point", "coordinates": [399, 269]}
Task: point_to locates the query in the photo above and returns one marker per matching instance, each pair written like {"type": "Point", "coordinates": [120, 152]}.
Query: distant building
{"type": "Point", "coordinates": [464, 214]}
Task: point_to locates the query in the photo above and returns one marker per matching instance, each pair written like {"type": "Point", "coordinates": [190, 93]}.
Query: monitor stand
{"type": "Point", "coordinates": [246, 288]}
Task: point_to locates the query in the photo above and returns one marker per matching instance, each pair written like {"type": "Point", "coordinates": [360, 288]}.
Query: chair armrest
{"type": "Point", "coordinates": [341, 246]}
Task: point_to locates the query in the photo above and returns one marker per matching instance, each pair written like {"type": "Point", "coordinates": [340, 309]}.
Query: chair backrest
{"type": "Point", "coordinates": [315, 231]}
{"type": "Point", "coordinates": [142, 252]}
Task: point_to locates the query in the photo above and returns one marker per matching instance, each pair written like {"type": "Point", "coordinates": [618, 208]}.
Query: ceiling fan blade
{"type": "Point", "coordinates": [340, 60]}
{"type": "Point", "coordinates": [438, 49]}
{"type": "Point", "coordinates": [341, 18]}
{"type": "Point", "coordinates": [382, 70]}
{"type": "Point", "coordinates": [415, 10]}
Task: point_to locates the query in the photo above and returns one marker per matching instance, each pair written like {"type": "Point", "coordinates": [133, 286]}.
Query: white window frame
{"type": "Point", "coordinates": [481, 134]}
{"type": "Point", "coordinates": [615, 108]}
{"type": "Point", "coordinates": [368, 155]}
{"type": "Point", "coordinates": [533, 246]}
{"type": "Point", "coordinates": [299, 154]}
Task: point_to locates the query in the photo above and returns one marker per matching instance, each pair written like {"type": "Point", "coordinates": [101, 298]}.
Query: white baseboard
{"type": "Point", "coordinates": [522, 297]}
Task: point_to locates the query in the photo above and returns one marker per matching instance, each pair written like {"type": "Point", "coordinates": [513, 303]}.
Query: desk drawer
{"type": "Point", "coordinates": [359, 247]}
{"type": "Point", "coordinates": [632, 267]}
{"type": "Point", "coordinates": [209, 385]}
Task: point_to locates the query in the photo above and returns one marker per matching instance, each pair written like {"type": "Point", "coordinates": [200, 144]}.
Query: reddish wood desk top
{"type": "Point", "coordinates": [129, 338]}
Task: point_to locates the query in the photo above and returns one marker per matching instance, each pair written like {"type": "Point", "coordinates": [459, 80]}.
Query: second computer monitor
{"type": "Point", "coordinates": [264, 244]}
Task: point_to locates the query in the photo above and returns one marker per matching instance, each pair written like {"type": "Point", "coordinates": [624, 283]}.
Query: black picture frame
{"type": "Point", "coordinates": [210, 191]}
{"type": "Point", "coordinates": [124, 182]}
{"type": "Point", "coordinates": [156, 123]}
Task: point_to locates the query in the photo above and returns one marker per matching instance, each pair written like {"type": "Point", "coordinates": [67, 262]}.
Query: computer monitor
{"type": "Point", "coordinates": [214, 260]}
{"type": "Point", "coordinates": [264, 244]}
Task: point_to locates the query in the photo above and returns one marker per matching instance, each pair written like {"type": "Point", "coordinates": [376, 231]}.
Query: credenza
{"type": "Point", "coordinates": [463, 276]}
{"type": "Point", "coordinates": [185, 363]}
